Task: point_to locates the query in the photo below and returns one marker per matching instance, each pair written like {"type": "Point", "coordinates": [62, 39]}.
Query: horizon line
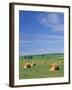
{"type": "Point", "coordinates": [42, 54]}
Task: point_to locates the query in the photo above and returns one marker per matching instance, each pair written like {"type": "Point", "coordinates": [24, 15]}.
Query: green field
{"type": "Point", "coordinates": [41, 70]}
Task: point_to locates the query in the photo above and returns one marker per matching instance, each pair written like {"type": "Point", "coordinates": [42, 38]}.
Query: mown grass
{"type": "Point", "coordinates": [41, 70]}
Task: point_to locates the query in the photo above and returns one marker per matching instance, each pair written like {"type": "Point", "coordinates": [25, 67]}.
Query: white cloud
{"type": "Point", "coordinates": [52, 20]}
{"type": "Point", "coordinates": [59, 27]}
{"type": "Point", "coordinates": [30, 44]}
{"type": "Point", "coordinates": [33, 39]}
{"type": "Point", "coordinates": [41, 36]}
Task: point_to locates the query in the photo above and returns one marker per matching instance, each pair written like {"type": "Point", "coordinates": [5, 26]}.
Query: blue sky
{"type": "Point", "coordinates": [41, 32]}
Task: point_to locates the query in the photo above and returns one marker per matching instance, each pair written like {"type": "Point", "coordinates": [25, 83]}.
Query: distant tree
{"type": "Point", "coordinates": [28, 57]}
{"type": "Point", "coordinates": [25, 57]}
{"type": "Point", "coordinates": [31, 57]}
{"type": "Point", "coordinates": [42, 55]}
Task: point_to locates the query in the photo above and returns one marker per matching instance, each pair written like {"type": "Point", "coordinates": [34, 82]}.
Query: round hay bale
{"type": "Point", "coordinates": [27, 65]}
{"type": "Point", "coordinates": [52, 69]}
{"type": "Point", "coordinates": [43, 62]}
{"type": "Point", "coordinates": [61, 61]}
{"type": "Point", "coordinates": [33, 64]}
{"type": "Point", "coordinates": [55, 65]}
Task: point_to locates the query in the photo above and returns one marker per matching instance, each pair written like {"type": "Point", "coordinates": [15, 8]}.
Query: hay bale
{"type": "Point", "coordinates": [27, 65]}
{"type": "Point", "coordinates": [61, 61]}
{"type": "Point", "coordinates": [52, 69]}
{"type": "Point", "coordinates": [54, 66]}
{"type": "Point", "coordinates": [33, 64]}
{"type": "Point", "coordinates": [43, 62]}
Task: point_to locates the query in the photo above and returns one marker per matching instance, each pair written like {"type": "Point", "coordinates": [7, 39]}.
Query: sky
{"type": "Point", "coordinates": [41, 32]}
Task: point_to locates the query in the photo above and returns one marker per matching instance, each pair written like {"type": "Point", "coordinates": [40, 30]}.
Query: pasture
{"type": "Point", "coordinates": [41, 67]}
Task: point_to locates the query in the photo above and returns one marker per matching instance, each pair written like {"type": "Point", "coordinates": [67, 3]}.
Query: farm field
{"type": "Point", "coordinates": [41, 69]}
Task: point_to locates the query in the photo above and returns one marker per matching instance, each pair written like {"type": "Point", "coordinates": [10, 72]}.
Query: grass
{"type": "Point", "coordinates": [41, 70]}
